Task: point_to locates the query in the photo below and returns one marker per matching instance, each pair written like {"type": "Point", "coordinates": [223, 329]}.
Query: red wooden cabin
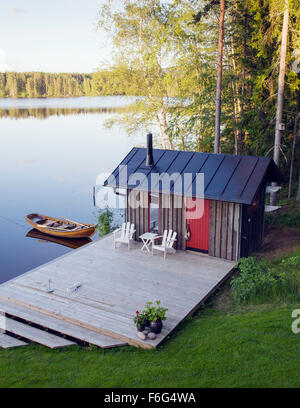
{"type": "Point", "coordinates": [225, 219]}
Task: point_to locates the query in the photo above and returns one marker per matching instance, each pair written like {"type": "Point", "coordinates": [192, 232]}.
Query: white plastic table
{"type": "Point", "coordinates": [147, 239]}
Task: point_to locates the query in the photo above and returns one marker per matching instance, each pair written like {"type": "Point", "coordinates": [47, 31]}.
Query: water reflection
{"type": "Point", "coordinates": [44, 113]}
{"type": "Point", "coordinates": [67, 242]}
{"type": "Point", "coordinates": [51, 166]}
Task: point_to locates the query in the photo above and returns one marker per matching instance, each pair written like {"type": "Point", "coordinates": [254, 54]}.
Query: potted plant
{"type": "Point", "coordinates": [155, 313]}
{"type": "Point", "coordinates": [139, 320]}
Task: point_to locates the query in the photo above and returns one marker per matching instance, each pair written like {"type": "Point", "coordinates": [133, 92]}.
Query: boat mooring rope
{"type": "Point", "coordinates": [14, 222]}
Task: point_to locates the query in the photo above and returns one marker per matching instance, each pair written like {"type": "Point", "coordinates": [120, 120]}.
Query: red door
{"type": "Point", "coordinates": [197, 214]}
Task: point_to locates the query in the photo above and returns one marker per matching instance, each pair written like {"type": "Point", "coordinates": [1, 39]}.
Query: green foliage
{"type": "Point", "coordinates": [105, 218]}
{"type": "Point", "coordinates": [155, 311]}
{"type": "Point", "coordinates": [260, 281]}
{"type": "Point", "coordinates": [142, 36]}
{"type": "Point", "coordinates": [291, 219]}
{"type": "Point", "coordinates": [92, 347]}
{"type": "Point", "coordinates": [167, 53]}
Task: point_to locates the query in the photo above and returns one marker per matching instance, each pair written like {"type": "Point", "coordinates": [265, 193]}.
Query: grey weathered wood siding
{"type": "Point", "coordinates": [224, 223]}
{"type": "Point", "coordinates": [138, 214]}
{"type": "Point", "coordinates": [225, 230]}
{"type": "Point", "coordinates": [172, 216]}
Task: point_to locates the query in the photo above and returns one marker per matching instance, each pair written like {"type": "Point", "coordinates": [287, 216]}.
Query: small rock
{"type": "Point", "coordinates": [141, 336]}
{"type": "Point", "coordinates": [145, 332]}
{"type": "Point", "coordinates": [151, 336]}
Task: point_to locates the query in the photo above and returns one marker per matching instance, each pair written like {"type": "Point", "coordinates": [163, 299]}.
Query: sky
{"type": "Point", "coordinates": [52, 36]}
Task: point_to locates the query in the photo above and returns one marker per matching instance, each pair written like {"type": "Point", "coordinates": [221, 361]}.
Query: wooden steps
{"type": "Point", "coordinates": [81, 315]}
{"type": "Point", "coordinates": [36, 335]}
{"type": "Point", "coordinates": [7, 341]}
{"type": "Point", "coordinates": [60, 326]}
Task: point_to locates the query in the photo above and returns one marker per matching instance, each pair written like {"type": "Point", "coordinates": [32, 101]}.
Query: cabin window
{"type": "Point", "coordinates": [153, 212]}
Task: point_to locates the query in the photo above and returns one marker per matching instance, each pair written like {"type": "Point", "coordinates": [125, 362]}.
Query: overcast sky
{"type": "Point", "coordinates": [52, 36]}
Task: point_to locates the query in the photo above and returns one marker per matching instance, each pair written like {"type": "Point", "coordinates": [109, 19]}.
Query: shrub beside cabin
{"type": "Point", "coordinates": [230, 223]}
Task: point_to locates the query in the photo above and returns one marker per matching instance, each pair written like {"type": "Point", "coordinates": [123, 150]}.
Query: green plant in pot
{"type": "Point", "coordinates": [155, 313]}
{"type": "Point", "coordinates": [139, 320]}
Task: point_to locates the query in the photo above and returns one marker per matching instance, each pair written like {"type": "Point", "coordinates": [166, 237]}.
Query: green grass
{"type": "Point", "coordinates": [246, 348]}
{"type": "Point", "coordinates": [289, 215]}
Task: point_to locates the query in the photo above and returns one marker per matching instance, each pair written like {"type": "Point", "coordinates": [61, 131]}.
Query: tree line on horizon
{"type": "Point", "coordinates": [46, 85]}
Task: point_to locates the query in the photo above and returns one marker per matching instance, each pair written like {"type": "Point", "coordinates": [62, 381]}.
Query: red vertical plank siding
{"type": "Point", "coordinates": [198, 226]}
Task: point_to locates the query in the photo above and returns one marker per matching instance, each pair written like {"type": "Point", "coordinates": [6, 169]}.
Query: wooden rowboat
{"type": "Point", "coordinates": [73, 243]}
{"type": "Point", "coordinates": [60, 227]}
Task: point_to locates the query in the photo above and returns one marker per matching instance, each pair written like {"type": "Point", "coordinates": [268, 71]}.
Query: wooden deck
{"type": "Point", "coordinates": [114, 284]}
{"type": "Point", "coordinates": [10, 342]}
{"type": "Point", "coordinates": [36, 335]}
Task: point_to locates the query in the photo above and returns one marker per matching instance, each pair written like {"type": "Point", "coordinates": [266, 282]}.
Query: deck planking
{"type": "Point", "coordinates": [60, 326]}
{"type": "Point", "coordinates": [115, 283]}
{"type": "Point", "coordinates": [36, 335]}
{"type": "Point", "coordinates": [7, 341]}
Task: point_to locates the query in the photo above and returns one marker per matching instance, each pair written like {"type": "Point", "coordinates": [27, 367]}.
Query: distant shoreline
{"type": "Point", "coordinates": [62, 85]}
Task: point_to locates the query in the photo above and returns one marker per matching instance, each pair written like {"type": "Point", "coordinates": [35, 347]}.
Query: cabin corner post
{"type": "Point", "coordinates": [178, 220]}
{"type": "Point", "coordinates": [184, 224]}
{"type": "Point", "coordinates": [262, 211]}
{"type": "Point", "coordinates": [252, 230]}
{"type": "Point", "coordinates": [239, 235]}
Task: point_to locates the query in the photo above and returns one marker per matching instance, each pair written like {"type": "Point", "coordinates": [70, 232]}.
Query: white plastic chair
{"type": "Point", "coordinates": [126, 234]}
{"type": "Point", "coordinates": [167, 243]}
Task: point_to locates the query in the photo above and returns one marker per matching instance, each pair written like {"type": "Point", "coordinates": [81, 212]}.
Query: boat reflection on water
{"type": "Point", "coordinates": [68, 242]}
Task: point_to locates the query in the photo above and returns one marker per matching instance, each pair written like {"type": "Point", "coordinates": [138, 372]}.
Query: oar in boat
{"type": "Point", "coordinates": [74, 222]}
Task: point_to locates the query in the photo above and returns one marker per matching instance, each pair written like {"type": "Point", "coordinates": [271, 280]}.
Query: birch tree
{"type": "Point", "coordinates": [219, 78]}
{"type": "Point", "coordinates": [142, 41]}
{"type": "Point", "coordinates": [280, 93]}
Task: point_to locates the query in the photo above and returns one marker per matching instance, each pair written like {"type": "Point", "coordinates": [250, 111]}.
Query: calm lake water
{"type": "Point", "coordinates": [51, 153]}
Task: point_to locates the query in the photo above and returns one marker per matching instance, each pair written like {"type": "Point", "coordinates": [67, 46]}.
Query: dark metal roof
{"type": "Point", "coordinates": [226, 177]}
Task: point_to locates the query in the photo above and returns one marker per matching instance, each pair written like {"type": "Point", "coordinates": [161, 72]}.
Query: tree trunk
{"type": "Point", "coordinates": [234, 98]}
{"type": "Point", "coordinates": [284, 38]}
{"type": "Point", "coordinates": [236, 132]}
{"type": "Point", "coordinates": [298, 190]}
{"type": "Point", "coordinates": [161, 133]}
{"type": "Point", "coordinates": [219, 79]}
{"type": "Point", "coordinates": [293, 153]}
{"type": "Point", "coordinates": [197, 132]}
{"type": "Point", "coordinates": [297, 118]}
{"type": "Point", "coordinates": [165, 124]}
{"type": "Point", "coordinates": [241, 135]}
{"type": "Point", "coordinates": [236, 104]}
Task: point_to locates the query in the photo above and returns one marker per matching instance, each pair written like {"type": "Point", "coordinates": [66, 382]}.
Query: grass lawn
{"type": "Point", "coordinates": [245, 348]}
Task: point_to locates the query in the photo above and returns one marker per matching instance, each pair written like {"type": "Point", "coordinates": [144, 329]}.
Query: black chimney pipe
{"type": "Point", "coordinates": [149, 157]}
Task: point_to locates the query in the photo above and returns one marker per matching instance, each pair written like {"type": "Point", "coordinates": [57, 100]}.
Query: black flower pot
{"type": "Point", "coordinates": [155, 327]}
{"type": "Point", "coordinates": [141, 327]}
{"type": "Point", "coordinates": [147, 323]}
